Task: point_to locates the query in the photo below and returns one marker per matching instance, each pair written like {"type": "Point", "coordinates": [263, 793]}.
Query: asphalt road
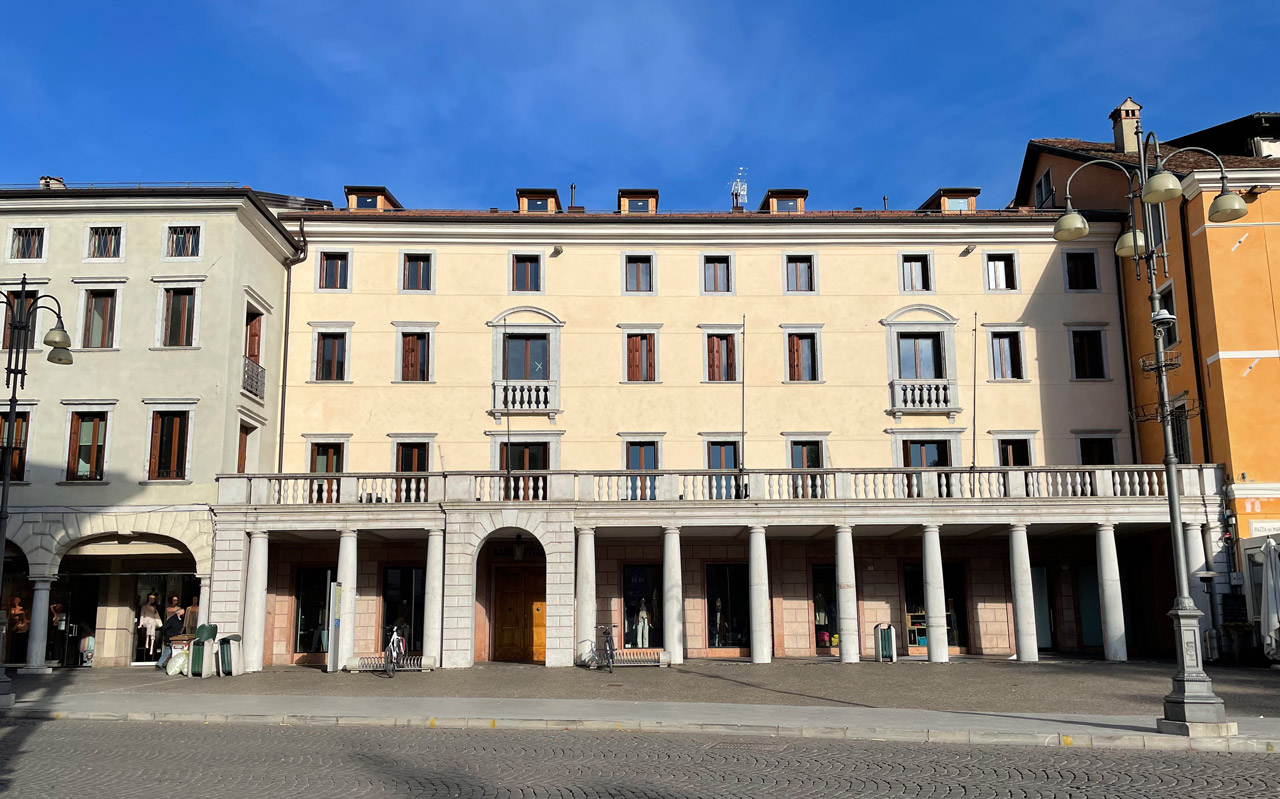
{"type": "Point", "coordinates": [63, 759]}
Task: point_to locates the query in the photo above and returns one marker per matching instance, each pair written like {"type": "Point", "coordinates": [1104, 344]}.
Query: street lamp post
{"type": "Point", "coordinates": [1191, 708]}
{"type": "Point", "coordinates": [20, 329]}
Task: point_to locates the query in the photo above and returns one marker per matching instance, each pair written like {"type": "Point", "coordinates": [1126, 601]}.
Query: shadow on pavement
{"type": "Point", "coordinates": [777, 691]}
{"type": "Point", "coordinates": [13, 738]}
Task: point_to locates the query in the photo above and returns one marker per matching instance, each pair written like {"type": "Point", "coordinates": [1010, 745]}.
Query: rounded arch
{"type": "Point", "coordinates": [46, 538]}
{"type": "Point", "coordinates": [920, 308]}
{"type": "Point", "coordinates": [533, 309]}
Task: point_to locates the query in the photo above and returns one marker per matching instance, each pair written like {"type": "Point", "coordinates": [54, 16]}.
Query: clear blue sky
{"type": "Point", "coordinates": [454, 104]}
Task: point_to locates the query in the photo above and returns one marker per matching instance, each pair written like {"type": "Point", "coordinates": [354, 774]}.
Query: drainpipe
{"type": "Point", "coordinates": [1128, 359]}
{"type": "Point", "coordinates": [1195, 328]}
{"type": "Point", "coordinates": [284, 360]}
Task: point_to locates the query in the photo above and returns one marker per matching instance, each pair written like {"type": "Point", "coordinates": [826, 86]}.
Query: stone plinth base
{"type": "Point", "coordinates": [35, 670]}
{"type": "Point", "coordinates": [1193, 729]}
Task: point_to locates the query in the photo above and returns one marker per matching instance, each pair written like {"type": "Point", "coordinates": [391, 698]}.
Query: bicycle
{"type": "Point", "coordinates": [605, 660]}
{"type": "Point", "coordinates": [394, 654]}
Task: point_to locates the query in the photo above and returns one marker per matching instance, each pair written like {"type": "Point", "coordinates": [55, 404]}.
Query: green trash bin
{"type": "Point", "coordinates": [224, 655]}
{"type": "Point", "coordinates": [204, 634]}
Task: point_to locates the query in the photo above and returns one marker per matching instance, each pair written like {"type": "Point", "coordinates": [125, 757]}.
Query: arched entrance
{"type": "Point", "coordinates": [111, 594]}
{"type": "Point", "coordinates": [511, 598]}
{"type": "Point", "coordinates": [15, 598]}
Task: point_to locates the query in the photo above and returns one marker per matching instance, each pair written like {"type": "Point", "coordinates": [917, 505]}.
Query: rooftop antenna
{"type": "Point", "coordinates": [738, 188]}
{"type": "Point", "coordinates": [886, 202]}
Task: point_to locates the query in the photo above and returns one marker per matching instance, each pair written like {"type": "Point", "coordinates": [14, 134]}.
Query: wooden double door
{"type": "Point", "coordinates": [520, 615]}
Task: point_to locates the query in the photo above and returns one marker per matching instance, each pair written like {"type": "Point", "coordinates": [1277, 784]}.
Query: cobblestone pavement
{"type": "Point", "coordinates": [969, 684]}
{"type": "Point", "coordinates": [78, 759]}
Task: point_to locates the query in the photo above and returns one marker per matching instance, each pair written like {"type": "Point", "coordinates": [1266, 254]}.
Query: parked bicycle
{"type": "Point", "coordinates": [604, 655]}
{"type": "Point", "coordinates": [394, 655]}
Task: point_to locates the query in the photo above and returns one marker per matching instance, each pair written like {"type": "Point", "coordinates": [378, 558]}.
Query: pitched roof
{"type": "Point", "coordinates": [678, 217]}
{"type": "Point", "coordinates": [1179, 164]}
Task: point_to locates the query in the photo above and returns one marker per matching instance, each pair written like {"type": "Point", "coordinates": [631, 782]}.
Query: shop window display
{"type": "Point", "coordinates": [17, 595]}
{"type": "Point", "coordinates": [403, 603]}
{"type": "Point", "coordinates": [956, 601]}
{"type": "Point", "coordinates": [826, 633]}
{"type": "Point", "coordinates": [728, 606]}
{"type": "Point", "coordinates": [156, 597]}
{"type": "Point", "coordinates": [312, 632]}
{"type": "Point", "coordinates": [642, 607]}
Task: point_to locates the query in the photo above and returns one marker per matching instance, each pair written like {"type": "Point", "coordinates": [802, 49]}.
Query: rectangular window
{"type": "Point", "coordinates": [524, 457]}
{"type": "Point", "coordinates": [536, 204]}
{"type": "Point", "coordinates": [18, 464]}
{"type": "Point", "coordinates": [728, 605]}
{"type": "Point", "coordinates": [926, 454]}
{"type": "Point", "coordinates": [721, 364]}
{"type": "Point", "coordinates": [253, 335]}
{"type": "Point", "coordinates": [789, 205]}
{"type": "Point", "coordinates": [722, 455]}
{"type": "Point", "coordinates": [183, 241]}
{"type": "Point", "coordinates": [1082, 271]}
{"type": "Point", "coordinates": [920, 356]}
{"type": "Point", "coordinates": [716, 275]}
{"type": "Point", "coordinates": [1087, 355]}
{"type": "Point", "coordinates": [806, 454]}
{"type": "Point", "coordinates": [638, 206]}
{"type": "Point", "coordinates": [413, 457]}
{"type": "Point", "coordinates": [27, 244]}
{"type": "Point", "coordinates": [168, 445]}
{"type": "Point", "coordinates": [800, 273]}
{"type": "Point", "coordinates": [526, 272]}
{"type": "Point", "coordinates": [404, 598]}
{"type": "Point", "coordinates": [1097, 451]}
{"type": "Point", "coordinates": [326, 458]}
{"type": "Point", "coordinates": [642, 606]}
{"type": "Point", "coordinates": [366, 201]}
{"type": "Point", "coordinates": [642, 456]}
{"type": "Point", "coordinates": [104, 242]}
{"type": "Point", "coordinates": [179, 317]}
{"type": "Point", "coordinates": [311, 595]}
{"type": "Point", "coordinates": [917, 273]}
{"type": "Point", "coordinates": [1006, 356]}
{"type": "Point", "coordinates": [1044, 189]}
{"type": "Point", "coordinates": [242, 448]}
{"type": "Point", "coordinates": [334, 271]}
{"type": "Point", "coordinates": [639, 274]}
{"type": "Point", "coordinates": [1166, 302]}
{"type": "Point", "coordinates": [331, 356]}
{"type": "Point", "coordinates": [802, 357]}
{"type": "Point", "coordinates": [1155, 231]}
{"type": "Point", "coordinates": [1002, 272]}
{"type": "Point", "coordinates": [417, 273]}
{"type": "Point", "coordinates": [1181, 434]}
{"type": "Point", "coordinates": [1014, 451]}
{"type": "Point", "coordinates": [955, 204]}
{"type": "Point", "coordinates": [99, 319]}
{"type": "Point", "coordinates": [25, 305]}
{"type": "Point", "coordinates": [88, 446]}
{"type": "Point", "coordinates": [642, 358]}
{"type": "Point", "coordinates": [415, 356]}
{"type": "Point", "coordinates": [826, 613]}
{"type": "Point", "coordinates": [526, 358]}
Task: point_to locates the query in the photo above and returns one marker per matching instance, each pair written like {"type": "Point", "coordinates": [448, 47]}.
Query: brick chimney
{"type": "Point", "coordinates": [1124, 126]}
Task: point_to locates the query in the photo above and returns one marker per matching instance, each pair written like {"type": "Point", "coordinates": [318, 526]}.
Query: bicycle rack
{"type": "Point", "coordinates": [379, 662]}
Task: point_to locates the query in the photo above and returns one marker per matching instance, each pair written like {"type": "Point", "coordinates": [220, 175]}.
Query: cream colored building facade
{"type": "Point", "coordinates": [159, 289]}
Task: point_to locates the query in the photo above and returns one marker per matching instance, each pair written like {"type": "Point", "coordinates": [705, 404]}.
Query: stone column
{"type": "Point", "coordinates": [761, 615]}
{"type": "Point", "coordinates": [847, 597]}
{"type": "Point", "coordinates": [1197, 560]}
{"type": "Point", "coordinates": [1113, 643]}
{"type": "Point", "coordinates": [1024, 600]}
{"type": "Point", "coordinates": [203, 618]}
{"type": "Point", "coordinates": [433, 610]}
{"type": "Point", "coordinates": [672, 596]}
{"type": "Point", "coordinates": [935, 596]}
{"type": "Point", "coordinates": [347, 573]}
{"type": "Point", "coordinates": [585, 594]}
{"type": "Point", "coordinates": [255, 603]}
{"type": "Point", "coordinates": [38, 640]}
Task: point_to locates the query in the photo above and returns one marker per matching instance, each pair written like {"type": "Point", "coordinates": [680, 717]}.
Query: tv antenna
{"type": "Point", "coordinates": [738, 188]}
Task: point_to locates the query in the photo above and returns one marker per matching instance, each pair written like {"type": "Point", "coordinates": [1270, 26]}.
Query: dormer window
{"type": "Point", "coordinates": [637, 201]}
{"type": "Point", "coordinates": [638, 206]}
{"type": "Point", "coordinates": [537, 204]}
{"type": "Point", "coordinates": [784, 201]}
{"type": "Point", "coordinates": [371, 198]}
{"type": "Point", "coordinates": [787, 205]}
{"type": "Point", "coordinates": [366, 201]}
{"type": "Point", "coordinates": [538, 201]}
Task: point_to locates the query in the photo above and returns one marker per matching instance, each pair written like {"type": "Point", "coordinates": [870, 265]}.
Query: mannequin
{"type": "Point", "coordinates": [819, 611]}
{"type": "Point", "coordinates": [19, 626]}
{"type": "Point", "coordinates": [191, 619]}
{"type": "Point", "coordinates": [720, 628]}
{"type": "Point", "coordinates": [642, 627]}
{"type": "Point", "coordinates": [148, 622]}
{"type": "Point", "coordinates": [172, 608]}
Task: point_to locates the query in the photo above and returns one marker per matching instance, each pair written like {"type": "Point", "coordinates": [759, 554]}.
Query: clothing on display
{"type": "Point", "coordinates": [191, 619]}
{"type": "Point", "coordinates": [149, 623]}
{"type": "Point", "coordinates": [642, 626]}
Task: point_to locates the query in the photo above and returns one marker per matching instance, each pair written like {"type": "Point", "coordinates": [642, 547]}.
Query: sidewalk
{"type": "Point", "coordinates": [786, 699]}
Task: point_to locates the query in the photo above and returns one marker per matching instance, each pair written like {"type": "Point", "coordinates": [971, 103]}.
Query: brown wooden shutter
{"type": "Point", "coordinates": [713, 357]}
{"type": "Point", "coordinates": [424, 344]}
{"type": "Point", "coordinates": [793, 357]}
{"type": "Point", "coordinates": [71, 449]}
{"type": "Point", "coordinates": [408, 357]}
{"type": "Point", "coordinates": [634, 344]}
{"type": "Point", "coordinates": [157, 423]}
{"type": "Point", "coordinates": [651, 340]}
{"type": "Point", "coordinates": [731, 362]}
{"type": "Point", "coordinates": [168, 314]}
{"type": "Point", "coordinates": [253, 341]}
{"type": "Point", "coordinates": [242, 451]}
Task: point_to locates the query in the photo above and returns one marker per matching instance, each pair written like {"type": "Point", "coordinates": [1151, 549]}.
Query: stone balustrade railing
{"type": "Point", "coordinates": [526, 396]}
{"type": "Point", "coordinates": [706, 485]}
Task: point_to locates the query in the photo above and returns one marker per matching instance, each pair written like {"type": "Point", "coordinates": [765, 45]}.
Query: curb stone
{"type": "Point", "coordinates": [1167, 743]}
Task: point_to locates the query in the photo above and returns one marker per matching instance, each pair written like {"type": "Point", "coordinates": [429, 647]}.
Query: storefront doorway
{"type": "Point", "coordinates": [520, 619]}
{"type": "Point", "coordinates": [956, 601]}
{"type": "Point", "coordinates": [15, 596]}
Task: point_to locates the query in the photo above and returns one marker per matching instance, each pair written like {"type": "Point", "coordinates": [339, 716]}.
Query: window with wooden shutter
{"type": "Point", "coordinates": [802, 360]}
{"type": "Point", "coordinates": [331, 356]}
{"type": "Point", "coordinates": [414, 356]}
{"type": "Point", "coordinates": [184, 241]}
{"type": "Point", "coordinates": [639, 274]}
{"type": "Point", "coordinates": [28, 243]}
{"type": "Point", "coordinates": [413, 457]}
{"type": "Point", "coordinates": [417, 273]}
{"type": "Point", "coordinates": [641, 358]}
{"type": "Point", "coordinates": [104, 242]}
{"type": "Point", "coordinates": [88, 443]}
{"type": "Point", "coordinates": [253, 336]}
{"type": "Point", "coordinates": [333, 271]}
{"type": "Point", "coordinates": [716, 275]}
{"type": "Point", "coordinates": [99, 319]}
{"type": "Point", "coordinates": [179, 317]}
{"type": "Point", "coordinates": [168, 445]}
{"type": "Point", "coordinates": [24, 304]}
{"type": "Point", "coordinates": [18, 461]}
{"type": "Point", "coordinates": [242, 449]}
{"type": "Point", "coordinates": [800, 273]}
{"type": "Point", "coordinates": [526, 273]}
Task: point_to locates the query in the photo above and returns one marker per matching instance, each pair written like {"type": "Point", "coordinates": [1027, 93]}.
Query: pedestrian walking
{"type": "Point", "coordinates": [172, 626]}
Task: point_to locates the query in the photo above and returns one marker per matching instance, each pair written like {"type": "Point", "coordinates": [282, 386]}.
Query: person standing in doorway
{"type": "Point", "coordinates": [172, 626]}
